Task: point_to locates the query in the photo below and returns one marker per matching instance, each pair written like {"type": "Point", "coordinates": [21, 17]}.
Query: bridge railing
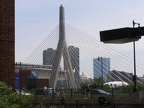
{"type": "Point", "coordinates": [73, 94]}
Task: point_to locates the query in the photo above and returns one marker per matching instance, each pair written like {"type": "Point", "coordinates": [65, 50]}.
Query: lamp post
{"type": "Point", "coordinates": [100, 59]}
{"type": "Point", "coordinates": [134, 76]}
{"type": "Point", "coordinates": [124, 35]}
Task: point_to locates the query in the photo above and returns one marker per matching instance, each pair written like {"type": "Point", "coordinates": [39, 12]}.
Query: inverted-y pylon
{"type": "Point", "coordinates": [62, 50]}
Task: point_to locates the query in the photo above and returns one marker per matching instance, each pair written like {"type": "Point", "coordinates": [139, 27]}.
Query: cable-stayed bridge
{"type": "Point", "coordinates": [65, 40]}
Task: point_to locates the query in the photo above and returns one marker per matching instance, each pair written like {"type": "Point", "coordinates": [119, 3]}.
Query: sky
{"type": "Point", "coordinates": [35, 19]}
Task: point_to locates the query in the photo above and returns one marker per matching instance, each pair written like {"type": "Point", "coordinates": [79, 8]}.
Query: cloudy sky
{"type": "Point", "coordinates": [35, 19]}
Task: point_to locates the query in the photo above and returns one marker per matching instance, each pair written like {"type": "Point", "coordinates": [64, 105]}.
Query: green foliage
{"type": "Point", "coordinates": [128, 89]}
{"type": "Point", "coordinates": [106, 88]}
{"type": "Point", "coordinates": [11, 99]}
{"type": "Point", "coordinates": [140, 87]}
{"type": "Point", "coordinates": [125, 89]}
{"type": "Point", "coordinates": [97, 83]}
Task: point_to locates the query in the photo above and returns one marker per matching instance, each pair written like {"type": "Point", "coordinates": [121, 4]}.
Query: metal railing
{"type": "Point", "coordinates": [73, 94]}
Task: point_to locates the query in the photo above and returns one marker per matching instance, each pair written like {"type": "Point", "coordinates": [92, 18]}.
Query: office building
{"type": "Point", "coordinates": [101, 68]}
{"type": "Point", "coordinates": [48, 56]}
{"type": "Point", "coordinates": [74, 55]}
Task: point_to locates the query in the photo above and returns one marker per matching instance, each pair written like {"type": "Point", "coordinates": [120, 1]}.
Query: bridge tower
{"type": "Point", "coordinates": [62, 50]}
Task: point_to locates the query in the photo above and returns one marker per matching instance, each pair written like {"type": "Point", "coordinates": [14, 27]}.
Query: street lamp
{"type": "Point", "coordinates": [100, 59]}
{"type": "Point", "coordinates": [134, 76]}
{"type": "Point", "coordinates": [124, 35]}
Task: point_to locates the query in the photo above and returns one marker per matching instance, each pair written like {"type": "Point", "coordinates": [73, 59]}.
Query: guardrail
{"type": "Point", "coordinates": [79, 98]}
{"type": "Point", "coordinates": [74, 94]}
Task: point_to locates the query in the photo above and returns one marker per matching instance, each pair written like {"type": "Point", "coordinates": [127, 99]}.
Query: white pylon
{"type": "Point", "coordinates": [62, 50]}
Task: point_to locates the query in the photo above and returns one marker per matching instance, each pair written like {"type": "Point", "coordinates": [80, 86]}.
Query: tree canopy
{"type": "Point", "coordinates": [11, 99]}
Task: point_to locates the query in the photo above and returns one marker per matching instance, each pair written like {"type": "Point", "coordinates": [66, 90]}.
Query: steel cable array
{"type": "Point", "coordinates": [89, 48]}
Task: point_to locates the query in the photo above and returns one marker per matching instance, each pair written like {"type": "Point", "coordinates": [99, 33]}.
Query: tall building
{"type": "Point", "coordinates": [48, 56]}
{"type": "Point", "coordinates": [74, 55]}
{"type": "Point", "coordinates": [7, 41]}
{"type": "Point", "coordinates": [101, 68]}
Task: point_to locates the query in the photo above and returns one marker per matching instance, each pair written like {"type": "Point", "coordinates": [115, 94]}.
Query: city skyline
{"type": "Point", "coordinates": [34, 21]}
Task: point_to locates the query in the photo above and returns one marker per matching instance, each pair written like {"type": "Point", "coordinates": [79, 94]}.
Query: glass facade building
{"type": "Point", "coordinates": [48, 56]}
{"type": "Point", "coordinates": [101, 68]}
{"type": "Point", "coordinates": [74, 55]}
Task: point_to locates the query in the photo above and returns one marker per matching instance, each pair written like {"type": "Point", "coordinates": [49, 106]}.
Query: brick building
{"type": "Point", "coordinates": [7, 41]}
{"type": "Point", "coordinates": [29, 81]}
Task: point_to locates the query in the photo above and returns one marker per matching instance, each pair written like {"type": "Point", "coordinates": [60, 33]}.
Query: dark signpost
{"type": "Point", "coordinates": [124, 35]}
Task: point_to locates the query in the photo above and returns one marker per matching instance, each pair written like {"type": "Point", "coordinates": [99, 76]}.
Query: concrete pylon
{"type": "Point", "coordinates": [62, 50]}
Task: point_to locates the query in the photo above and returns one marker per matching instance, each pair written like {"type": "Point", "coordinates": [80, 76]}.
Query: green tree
{"type": "Point", "coordinates": [129, 88]}
{"type": "Point", "coordinates": [97, 83]}
{"type": "Point", "coordinates": [11, 99]}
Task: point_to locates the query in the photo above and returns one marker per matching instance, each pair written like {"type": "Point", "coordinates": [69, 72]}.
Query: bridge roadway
{"type": "Point", "coordinates": [131, 100]}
